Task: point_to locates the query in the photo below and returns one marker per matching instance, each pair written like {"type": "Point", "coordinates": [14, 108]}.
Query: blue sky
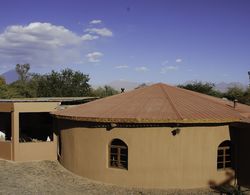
{"type": "Point", "coordinates": [169, 41]}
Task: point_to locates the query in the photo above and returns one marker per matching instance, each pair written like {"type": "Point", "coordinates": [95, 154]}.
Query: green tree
{"type": "Point", "coordinates": [206, 88]}
{"type": "Point", "coordinates": [6, 91]}
{"type": "Point", "coordinates": [2, 81]}
{"type": "Point", "coordinates": [246, 97]}
{"type": "Point", "coordinates": [104, 91]}
{"type": "Point", "coordinates": [234, 93]}
{"type": "Point", "coordinates": [3, 87]}
{"type": "Point", "coordinates": [22, 71]}
{"type": "Point", "coordinates": [67, 83]}
{"type": "Point", "coordinates": [20, 88]}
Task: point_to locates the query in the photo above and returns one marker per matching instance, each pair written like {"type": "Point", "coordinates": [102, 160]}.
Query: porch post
{"type": "Point", "coordinates": [15, 134]}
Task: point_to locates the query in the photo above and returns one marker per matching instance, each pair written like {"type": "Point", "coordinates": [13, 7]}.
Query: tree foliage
{"type": "Point", "coordinates": [6, 91]}
{"type": "Point", "coordinates": [67, 83]}
{"type": "Point", "coordinates": [206, 88]}
{"type": "Point", "coordinates": [104, 91]}
{"type": "Point", "coordinates": [2, 81]}
{"type": "Point", "coordinates": [22, 71]}
{"type": "Point", "coordinates": [233, 93]}
{"type": "Point", "coordinates": [246, 97]}
{"type": "Point", "coordinates": [20, 88]}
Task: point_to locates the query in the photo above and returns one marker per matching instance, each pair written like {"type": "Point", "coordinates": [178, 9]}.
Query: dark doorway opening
{"type": "Point", "coordinates": [35, 127]}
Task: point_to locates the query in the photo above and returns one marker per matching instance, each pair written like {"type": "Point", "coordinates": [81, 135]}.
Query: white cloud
{"type": "Point", "coordinates": [42, 33]}
{"type": "Point", "coordinates": [164, 62]}
{"type": "Point", "coordinates": [178, 60]}
{"type": "Point", "coordinates": [105, 32]}
{"type": "Point", "coordinates": [89, 37]}
{"type": "Point", "coordinates": [141, 69]}
{"type": "Point", "coordinates": [42, 44]}
{"type": "Point", "coordinates": [95, 22]}
{"type": "Point", "coordinates": [121, 67]}
{"type": "Point", "coordinates": [166, 69]}
{"type": "Point", "coordinates": [94, 56]}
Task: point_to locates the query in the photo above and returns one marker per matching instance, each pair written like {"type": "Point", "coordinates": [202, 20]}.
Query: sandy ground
{"type": "Point", "coordinates": [49, 177]}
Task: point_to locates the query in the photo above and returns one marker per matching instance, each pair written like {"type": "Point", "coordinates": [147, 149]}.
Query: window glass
{"type": "Point", "coordinates": [224, 154]}
{"type": "Point", "coordinates": [118, 154]}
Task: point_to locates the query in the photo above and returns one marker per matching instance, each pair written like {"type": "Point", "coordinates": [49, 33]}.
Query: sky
{"type": "Point", "coordinates": [170, 41]}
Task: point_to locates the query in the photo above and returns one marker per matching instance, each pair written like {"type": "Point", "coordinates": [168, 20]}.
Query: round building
{"type": "Point", "coordinates": [153, 137]}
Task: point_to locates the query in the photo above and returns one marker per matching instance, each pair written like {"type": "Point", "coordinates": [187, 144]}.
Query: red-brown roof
{"type": "Point", "coordinates": [158, 103]}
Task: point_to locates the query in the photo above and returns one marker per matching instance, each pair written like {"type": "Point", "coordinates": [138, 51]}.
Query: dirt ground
{"type": "Point", "coordinates": [49, 177]}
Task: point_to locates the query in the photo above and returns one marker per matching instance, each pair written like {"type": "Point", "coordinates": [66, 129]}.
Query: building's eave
{"type": "Point", "coordinates": [140, 121]}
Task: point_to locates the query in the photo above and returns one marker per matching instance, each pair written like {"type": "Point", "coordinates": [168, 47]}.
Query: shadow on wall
{"type": "Point", "coordinates": [226, 185]}
{"type": "Point", "coordinates": [240, 176]}
{"type": "Point", "coordinates": [240, 136]}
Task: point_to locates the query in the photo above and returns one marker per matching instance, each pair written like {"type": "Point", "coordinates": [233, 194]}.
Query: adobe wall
{"type": "Point", "coordinates": [156, 158]}
{"type": "Point", "coordinates": [6, 150]}
{"type": "Point", "coordinates": [29, 151]}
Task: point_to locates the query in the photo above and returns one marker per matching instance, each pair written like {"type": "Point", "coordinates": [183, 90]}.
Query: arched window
{"type": "Point", "coordinates": [118, 154]}
{"type": "Point", "coordinates": [224, 155]}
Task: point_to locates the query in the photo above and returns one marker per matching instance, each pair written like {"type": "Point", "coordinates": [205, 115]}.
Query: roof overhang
{"type": "Point", "coordinates": [135, 120]}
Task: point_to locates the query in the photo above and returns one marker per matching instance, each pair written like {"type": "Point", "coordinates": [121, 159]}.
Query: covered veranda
{"type": "Point", "coordinates": [26, 130]}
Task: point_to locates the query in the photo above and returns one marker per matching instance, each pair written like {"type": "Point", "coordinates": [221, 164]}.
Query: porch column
{"type": "Point", "coordinates": [15, 134]}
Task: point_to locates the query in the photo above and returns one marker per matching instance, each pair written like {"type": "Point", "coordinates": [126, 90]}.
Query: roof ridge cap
{"type": "Point", "coordinates": [131, 93]}
{"type": "Point", "coordinates": [171, 103]}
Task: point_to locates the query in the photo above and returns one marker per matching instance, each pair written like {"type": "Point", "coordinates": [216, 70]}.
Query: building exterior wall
{"type": "Point", "coordinates": [6, 107]}
{"type": "Point", "coordinates": [35, 106]}
{"type": "Point", "coordinates": [6, 150]}
{"type": "Point", "coordinates": [156, 158]}
{"type": "Point", "coordinates": [33, 150]}
{"type": "Point", "coordinates": [14, 150]}
{"type": "Point", "coordinates": [36, 151]}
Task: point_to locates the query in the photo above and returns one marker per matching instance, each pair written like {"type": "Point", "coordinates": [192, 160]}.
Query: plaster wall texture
{"type": "Point", "coordinates": [156, 158]}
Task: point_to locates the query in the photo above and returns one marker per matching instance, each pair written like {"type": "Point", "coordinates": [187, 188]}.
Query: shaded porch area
{"type": "Point", "coordinates": [26, 131]}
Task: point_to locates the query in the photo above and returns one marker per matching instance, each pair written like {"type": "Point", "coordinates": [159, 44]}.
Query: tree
{"type": "Point", "coordinates": [7, 91]}
{"type": "Point", "coordinates": [246, 97]}
{"type": "Point", "coordinates": [234, 93]}
{"type": "Point", "coordinates": [206, 88]}
{"type": "Point", "coordinates": [67, 83]}
{"type": "Point", "coordinates": [104, 91]}
{"type": "Point", "coordinates": [20, 88]}
{"type": "Point", "coordinates": [2, 81]}
{"type": "Point", "coordinates": [22, 70]}
{"type": "Point", "coordinates": [3, 87]}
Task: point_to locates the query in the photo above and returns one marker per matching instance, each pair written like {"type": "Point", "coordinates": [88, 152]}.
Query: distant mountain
{"type": "Point", "coordinates": [223, 87]}
{"type": "Point", "coordinates": [10, 76]}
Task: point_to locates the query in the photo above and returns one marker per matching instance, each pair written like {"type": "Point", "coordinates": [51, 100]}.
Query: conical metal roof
{"type": "Point", "coordinates": [158, 103]}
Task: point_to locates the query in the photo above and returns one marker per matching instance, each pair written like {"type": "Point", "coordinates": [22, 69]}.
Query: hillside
{"type": "Point", "coordinates": [10, 76]}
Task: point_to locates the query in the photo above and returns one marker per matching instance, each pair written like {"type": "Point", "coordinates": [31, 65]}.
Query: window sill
{"type": "Point", "coordinates": [118, 168]}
